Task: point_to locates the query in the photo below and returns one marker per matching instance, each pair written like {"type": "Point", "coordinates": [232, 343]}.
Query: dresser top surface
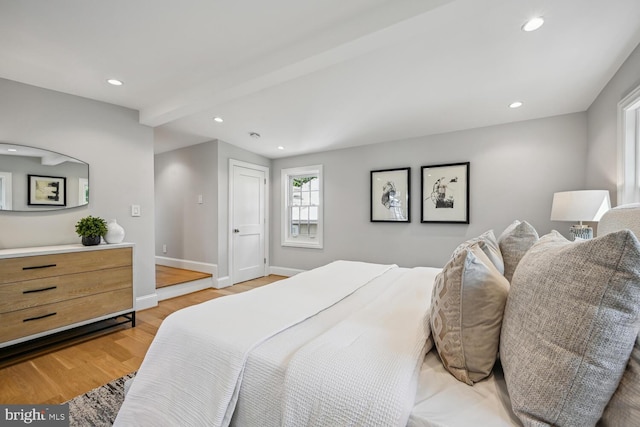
{"type": "Point", "coordinates": [47, 250]}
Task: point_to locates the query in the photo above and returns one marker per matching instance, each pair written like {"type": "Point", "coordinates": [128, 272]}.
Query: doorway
{"type": "Point", "coordinates": [248, 232]}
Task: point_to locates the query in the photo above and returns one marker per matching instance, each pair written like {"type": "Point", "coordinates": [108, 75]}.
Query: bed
{"type": "Point", "coordinates": [354, 343]}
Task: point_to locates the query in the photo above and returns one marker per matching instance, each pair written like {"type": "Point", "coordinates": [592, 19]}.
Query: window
{"type": "Point", "coordinates": [629, 148]}
{"type": "Point", "coordinates": [302, 207]}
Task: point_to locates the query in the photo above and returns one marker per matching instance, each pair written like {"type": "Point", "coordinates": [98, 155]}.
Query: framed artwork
{"type": "Point", "coordinates": [390, 190]}
{"type": "Point", "coordinates": [47, 190]}
{"type": "Point", "coordinates": [445, 193]}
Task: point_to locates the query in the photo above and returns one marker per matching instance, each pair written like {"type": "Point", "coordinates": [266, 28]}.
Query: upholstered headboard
{"type": "Point", "coordinates": [619, 218]}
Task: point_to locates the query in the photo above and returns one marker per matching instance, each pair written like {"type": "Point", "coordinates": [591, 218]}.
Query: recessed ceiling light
{"type": "Point", "coordinates": [516, 104]}
{"type": "Point", "coordinates": [115, 82]}
{"type": "Point", "coordinates": [218, 119]}
{"type": "Point", "coordinates": [254, 135]}
{"type": "Point", "coordinates": [13, 150]}
{"type": "Point", "coordinates": [280, 147]}
{"type": "Point", "coordinates": [533, 24]}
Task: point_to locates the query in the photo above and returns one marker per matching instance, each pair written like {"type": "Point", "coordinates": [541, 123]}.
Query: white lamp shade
{"type": "Point", "coordinates": [586, 205]}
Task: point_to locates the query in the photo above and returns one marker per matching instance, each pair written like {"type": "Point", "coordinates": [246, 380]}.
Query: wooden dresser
{"type": "Point", "coordinates": [51, 289]}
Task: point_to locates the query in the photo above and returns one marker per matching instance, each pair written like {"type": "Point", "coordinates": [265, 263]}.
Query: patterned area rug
{"type": "Point", "coordinates": [99, 406]}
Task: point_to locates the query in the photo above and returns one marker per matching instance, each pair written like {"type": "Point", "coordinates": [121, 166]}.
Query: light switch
{"type": "Point", "coordinates": [200, 199]}
{"type": "Point", "coordinates": [135, 210]}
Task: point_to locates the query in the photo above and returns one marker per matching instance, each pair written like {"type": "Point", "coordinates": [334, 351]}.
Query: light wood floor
{"type": "Point", "coordinates": [64, 373]}
{"type": "Point", "coordinates": [168, 276]}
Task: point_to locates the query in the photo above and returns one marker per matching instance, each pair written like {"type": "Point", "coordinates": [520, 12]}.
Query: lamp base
{"type": "Point", "coordinates": [583, 232]}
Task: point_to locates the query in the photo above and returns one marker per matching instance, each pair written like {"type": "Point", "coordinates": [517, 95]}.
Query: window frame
{"type": "Point", "coordinates": [287, 238]}
{"type": "Point", "coordinates": [629, 148]}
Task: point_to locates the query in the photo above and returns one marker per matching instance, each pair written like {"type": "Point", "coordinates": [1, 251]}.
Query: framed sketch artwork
{"type": "Point", "coordinates": [46, 191]}
{"type": "Point", "coordinates": [445, 193]}
{"type": "Point", "coordinates": [390, 195]}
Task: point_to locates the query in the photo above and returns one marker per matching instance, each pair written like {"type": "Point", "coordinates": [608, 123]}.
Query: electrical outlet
{"type": "Point", "coordinates": [200, 199]}
{"type": "Point", "coordinates": [164, 248]}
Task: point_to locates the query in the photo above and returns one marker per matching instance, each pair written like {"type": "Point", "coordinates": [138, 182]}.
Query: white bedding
{"type": "Point", "coordinates": [193, 370]}
{"type": "Point", "coordinates": [185, 380]}
{"type": "Point", "coordinates": [443, 401]}
{"type": "Point", "coordinates": [363, 371]}
{"type": "Point", "coordinates": [259, 403]}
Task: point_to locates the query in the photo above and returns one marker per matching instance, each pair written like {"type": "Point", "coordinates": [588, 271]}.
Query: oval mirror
{"type": "Point", "coordinates": [33, 180]}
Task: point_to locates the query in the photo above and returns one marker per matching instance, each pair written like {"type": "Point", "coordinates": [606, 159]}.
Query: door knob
{"type": "Point", "coordinates": [235, 230]}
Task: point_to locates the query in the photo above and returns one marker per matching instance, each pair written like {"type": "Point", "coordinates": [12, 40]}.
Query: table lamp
{"type": "Point", "coordinates": [584, 205]}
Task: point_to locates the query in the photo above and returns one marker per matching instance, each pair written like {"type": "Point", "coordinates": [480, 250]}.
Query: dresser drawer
{"type": "Point", "coordinates": [40, 266]}
{"type": "Point", "coordinates": [21, 323]}
{"type": "Point", "coordinates": [32, 293]}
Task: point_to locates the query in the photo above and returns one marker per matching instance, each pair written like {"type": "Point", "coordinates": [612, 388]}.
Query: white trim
{"type": "Point", "coordinates": [6, 203]}
{"type": "Point", "coordinates": [284, 271]}
{"type": "Point", "coordinates": [265, 169]}
{"type": "Point", "coordinates": [83, 183]}
{"type": "Point", "coordinates": [224, 282]}
{"type": "Point", "coordinates": [202, 267]}
{"type": "Point", "coordinates": [173, 291]}
{"type": "Point", "coordinates": [146, 301]}
{"type": "Point", "coordinates": [628, 144]}
{"type": "Point", "coordinates": [285, 238]}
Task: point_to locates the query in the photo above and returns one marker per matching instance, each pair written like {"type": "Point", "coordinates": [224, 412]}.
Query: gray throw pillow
{"type": "Point", "coordinates": [570, 323]}
{"type": "Point", "coordinates": [489, 245]}
{"type": "Point", "coordinates": [467, 306]}
{"type": "Point", "coordinates": [514, 242]}
{"type": "Point", "coordinates": [624, 407]}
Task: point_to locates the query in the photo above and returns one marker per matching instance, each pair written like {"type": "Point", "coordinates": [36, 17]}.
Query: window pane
{"type": "Point", "coordinates": [304, 214]}
{"type": "Point", "coordinates": [296, 200]}
{"type": "Point", "coordinates": [315, 198]}
{"type": "Point", "coordinates": [306, 198]}
{"type": "Point", "coordinates": [313, 214]}
{"type": "Point", "coordinates": [315, 184]}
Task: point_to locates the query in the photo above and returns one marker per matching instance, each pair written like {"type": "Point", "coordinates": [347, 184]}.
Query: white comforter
{"type": "Point", "coordinates": [193, 372]}
{"type": "Point", "coordinates": [363, 372]}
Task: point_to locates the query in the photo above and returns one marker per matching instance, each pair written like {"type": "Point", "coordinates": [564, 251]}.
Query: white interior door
{"type": "Point", "coordinates": [248, 223]}
{"type": "Point", "coordinates": [5, 191]}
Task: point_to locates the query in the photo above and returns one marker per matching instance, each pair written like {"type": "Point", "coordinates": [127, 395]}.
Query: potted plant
{"type": "Point", "coordinates": [91, 229]}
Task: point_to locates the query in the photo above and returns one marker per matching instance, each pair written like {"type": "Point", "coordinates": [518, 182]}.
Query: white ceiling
{"type": "Point", "coordinates": [319, 74]}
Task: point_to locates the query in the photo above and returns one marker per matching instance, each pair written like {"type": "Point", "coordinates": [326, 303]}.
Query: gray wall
{"type": "Point", "coordinates": [602, 163]}
{"type": "Point", "coordinates": [192, 231]}
{"type": "Point", "coordinates": [120, 155]}
{"type": "Point", "coordinates": [515, 169]}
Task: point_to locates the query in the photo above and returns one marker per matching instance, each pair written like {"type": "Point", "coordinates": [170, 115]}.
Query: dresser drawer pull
{"type": "Point", "coordinates": [39, 317]}
{"type": "Point", "coordinates": [31, 291]}
{"type": "Point", "coordinates": [35, 267]}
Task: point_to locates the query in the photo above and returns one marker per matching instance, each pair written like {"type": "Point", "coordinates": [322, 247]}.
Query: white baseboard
{"type": "Point", "coordinates": [202, 267]}
{"type": "Point", "coordinates": [223, 282]}
{"type": "Point", "coordinates": [146, 301]}
{"type": "Point", "coordinates": [284, 271]}
{"type": "Point", "coordinates": [184, 288]}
